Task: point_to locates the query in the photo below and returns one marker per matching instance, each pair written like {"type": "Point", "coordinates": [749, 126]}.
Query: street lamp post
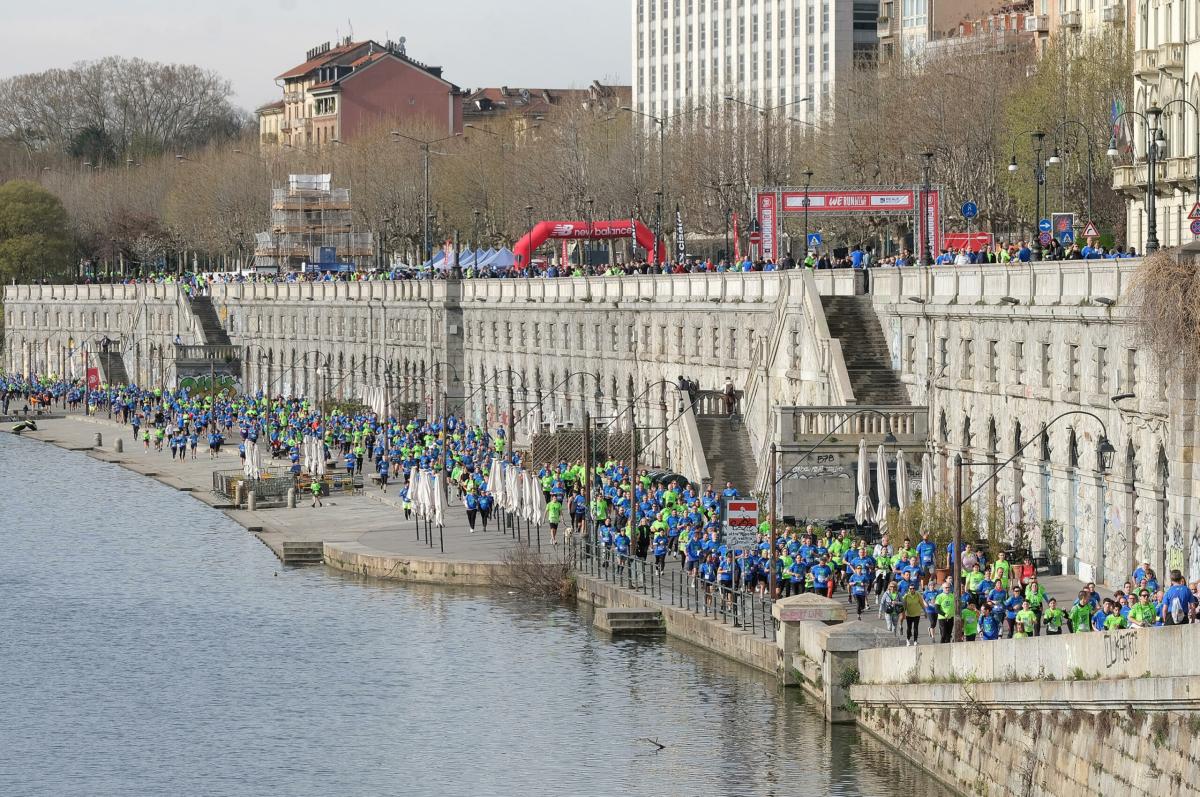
{"type": "Point", "coordinates": [808, 175]}
{"type": "Point", "coordinates": [926, 231]}
{"type": "Point", "coordinates": [766, 112]}
{"type": "Point", "coordinates": [661, 121]}
{"type": "Point", "coordinates": [1105, 452]}
{"type": "Point", "coordinates": [1153, 135]}
{"type": "Point", "coordinates": [529, 232]}
{"type": "Point", "coordinates": [1056, 158]}
{"type": "Point", "coordinates": [1163, 139]}
{"type": "Point", "coordinates": [888, 439]}
{"type": "Point", "coordinates": [425, 151]}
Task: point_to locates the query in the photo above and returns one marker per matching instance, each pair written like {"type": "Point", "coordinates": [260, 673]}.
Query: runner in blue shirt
{"type": "Point", "coordinates": [859, 581]}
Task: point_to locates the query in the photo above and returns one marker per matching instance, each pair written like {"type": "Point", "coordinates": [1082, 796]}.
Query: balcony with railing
{"type": "Point", "coordinates": [1072, 20]}
{"type": "Point", "coordinates": [1170, 57]}
{"type": "Point", "coordinates": [1145, 63]}
{"type": "Point", "coordinates": [806, 426]}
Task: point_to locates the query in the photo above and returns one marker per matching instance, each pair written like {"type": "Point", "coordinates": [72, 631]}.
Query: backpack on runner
{"type": "Point", "coordinates": [1178, 611]}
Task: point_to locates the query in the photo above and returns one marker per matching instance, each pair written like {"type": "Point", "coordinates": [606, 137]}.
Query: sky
{"type": "Point", "coordinates": [536, 43]}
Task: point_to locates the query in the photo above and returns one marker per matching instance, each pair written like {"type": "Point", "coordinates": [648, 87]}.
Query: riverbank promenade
{"type": "Point", "coordinates": [369, 524]}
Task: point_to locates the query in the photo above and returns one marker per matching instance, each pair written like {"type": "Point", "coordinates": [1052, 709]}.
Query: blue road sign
{"type": "Point", "coordinates": [1196, 227]}
{"type": "Point", "coordinates": [1045, 226]}
{"type": "Point", "coordinates": [970, 210]}
{"type": "Point", "coordinates": [1066, 237]}
{"type": "Point", "coordinates": [814, 239]}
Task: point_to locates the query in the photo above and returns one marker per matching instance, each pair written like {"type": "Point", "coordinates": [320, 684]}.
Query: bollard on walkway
{"type": "Point", "coordinates": [119, 447]}
{"type": "Point", "coordinates": [251, 501]}
{"type": "Point", "coordinates": [291, 498]}
{"type": "Point", "coordinates": [99, 440]}
{"type": "Point", "coordinates": [237, 494]}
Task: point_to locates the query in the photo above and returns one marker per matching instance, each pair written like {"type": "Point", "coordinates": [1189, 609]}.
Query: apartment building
{"type": "Point", "coordinates": [688, 53]}
{"type": "Point", "coordinates": [1166, 81]}
{"type": "Point", "coordinates": [341, 89]}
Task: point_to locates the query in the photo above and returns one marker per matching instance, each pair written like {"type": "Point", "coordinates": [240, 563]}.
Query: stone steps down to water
{"type": "Point", "coordinates": [630, 622]}
{"type": "Point", "coordinates": [302, 553]}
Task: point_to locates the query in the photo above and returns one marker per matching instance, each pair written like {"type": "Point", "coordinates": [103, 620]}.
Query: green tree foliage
{"type": "Point", "coordinates": [35, 235]}
{"type": "Point", "coordinates": [93, 145]}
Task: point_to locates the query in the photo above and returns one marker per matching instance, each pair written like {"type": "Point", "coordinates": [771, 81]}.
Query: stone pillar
{"type": "Point", "coordinates": [819, 651]}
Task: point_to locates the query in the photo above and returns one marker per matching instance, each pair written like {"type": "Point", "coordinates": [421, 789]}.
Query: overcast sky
{"type": "Point", "coordinates": [543, 43]}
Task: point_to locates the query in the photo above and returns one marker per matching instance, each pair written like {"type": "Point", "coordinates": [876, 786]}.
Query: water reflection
{"type": "Point", "coordinates": [151, 646]}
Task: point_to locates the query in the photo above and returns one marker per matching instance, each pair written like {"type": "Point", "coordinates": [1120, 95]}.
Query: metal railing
{"type": "Point", "coordinates": [674, 586]}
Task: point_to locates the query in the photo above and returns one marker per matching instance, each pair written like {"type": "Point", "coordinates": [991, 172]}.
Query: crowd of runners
{"type": "Point", "coordinates": [674, 524]}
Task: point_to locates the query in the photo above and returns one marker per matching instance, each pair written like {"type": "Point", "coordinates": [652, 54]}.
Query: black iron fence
{"type": "Point", "coordinates": [673, 585]}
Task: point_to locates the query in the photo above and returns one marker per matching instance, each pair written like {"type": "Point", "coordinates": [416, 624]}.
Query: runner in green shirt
{"type": "Point", "coordinates": [1001, 571]}
{"type": "Point", "coordinates": [1080, 615]}
{"type": "Point", "coordinates": [553, 515]}
{"type": "Point", "coordinates": [1053, 618]}
{"type": "Point", "coordinates": [945, 601]}
{"type": "Point", "coordinates": [974, 579]}
{"type": "Point", "coordinates": [1114, 620]}
{"type": "Point", "coordinates": [1026, 620]}
{"type": "Point", "coordinates": [1141, 614]}
{"type": "Point", "coordinates": [970, 622]}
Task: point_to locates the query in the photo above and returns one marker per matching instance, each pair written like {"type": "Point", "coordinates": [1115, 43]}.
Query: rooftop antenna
{"type": "Point", "coordinates": [350, 25]}
{"type": "Point", "coordinates": [403, 50]}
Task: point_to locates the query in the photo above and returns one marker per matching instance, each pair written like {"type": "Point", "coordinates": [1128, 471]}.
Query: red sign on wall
{"type": "Point", "coordinates": [973, 241]}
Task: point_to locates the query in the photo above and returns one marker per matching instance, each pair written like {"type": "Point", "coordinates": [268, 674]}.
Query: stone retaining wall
{"type": "Point", "coordinates": [1069, 739]}
{"type": "Point", "coordinates": [354, 558]}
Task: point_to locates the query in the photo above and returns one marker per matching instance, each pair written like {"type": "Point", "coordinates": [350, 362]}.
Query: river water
{"type": "Point", "coordinates": [149, 645]}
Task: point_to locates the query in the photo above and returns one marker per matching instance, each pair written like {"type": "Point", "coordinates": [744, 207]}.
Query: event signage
{"type": "Point", "coordinates": [680, 243]}
{"type": "Point", "coordinates": [868, 201]}
{"type": "Point", "coordinates": [742, 513]}
{"type": "Point", "coordinates": [766, 220]}
{"type": "Point", "coordinates": [973, 241]}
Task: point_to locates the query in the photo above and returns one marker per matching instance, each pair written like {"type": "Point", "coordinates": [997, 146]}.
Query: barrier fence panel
{"type": "Point", "coordinates": [730, 605]}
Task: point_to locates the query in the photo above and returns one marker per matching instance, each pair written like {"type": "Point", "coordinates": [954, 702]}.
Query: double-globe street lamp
{"type": "Point", "coordinates": [426, 152]}
{"type": "Point", "coordinates": [1039, 180]}
{"type": "Point", "coordinates": [1155, 141]}
{"type": "Point", "coordinates": [661, 121]}
{"type": "Point", "coordinates": [1105, 453]}
{"type": "Point", "coordinates": [1056, 157]}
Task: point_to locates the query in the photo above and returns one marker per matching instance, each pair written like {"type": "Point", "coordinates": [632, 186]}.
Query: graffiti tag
{"type": "Point", "coordinates": [1119, 647]}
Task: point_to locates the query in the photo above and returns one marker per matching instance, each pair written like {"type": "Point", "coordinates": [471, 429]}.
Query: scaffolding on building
{"type": "Point", "coordinates": [312, 228]}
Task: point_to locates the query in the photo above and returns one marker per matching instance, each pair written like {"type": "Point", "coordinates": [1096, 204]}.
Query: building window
{"type": "Point", "coordinates": [968, 359]}
{"type": "Point", "coordinates": [1101, 369]}
{"type": "Point", "coordinates": [1046, 364]}
{"type": "Point", "coordinates": [1018, 362]}
{"type": "Point", "coordinates": [1131, 371]}
{"type": "Point", "coordinates": [993, 361]}
{"type": "Point", "coordinates": [1072, 367]}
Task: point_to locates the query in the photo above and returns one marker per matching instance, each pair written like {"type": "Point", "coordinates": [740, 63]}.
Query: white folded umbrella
{"type": "Point", "coordinates": [882, 489]}
{"type": "Point", "coordinates": [438, 500]}
{"type": "Point", "coordinates": [927, 484]}
{"type": "Point", "coordinates": [903, 499]}
{"type": "Point", "coordinates": [863, 510]}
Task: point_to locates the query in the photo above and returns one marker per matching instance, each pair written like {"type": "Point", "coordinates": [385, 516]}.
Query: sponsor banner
{"type": "Point", "coordinates": [766, 221]}
{"type": "Point", "coordinates": [93, 378]}
{"type": "Point", "coordinates": [598, 229]}
{"type": "Point", "coordinates": [633, 242]}
{"type": "Point", "coordinates": [877, 201]}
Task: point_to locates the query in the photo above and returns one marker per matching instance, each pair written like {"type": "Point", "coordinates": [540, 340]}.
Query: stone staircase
{"type": "Point", "coordinates": [112, 363]}
{"type": "Point", "coordinates": [852, 320]}
{"type": "Point", "coordinates": [303, 553]}
{"type": "Point", "coordinates": [727, 451]}
{"type": "Point", "coordinates": [210, 322]}
{"type": "Point", "coordinates": [630, 622]}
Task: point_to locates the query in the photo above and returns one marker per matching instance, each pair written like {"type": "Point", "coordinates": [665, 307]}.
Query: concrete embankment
{"type": "Point", "coordinates": [706, 632]}
{"type": "Point", "coordinates": [1074, 716]}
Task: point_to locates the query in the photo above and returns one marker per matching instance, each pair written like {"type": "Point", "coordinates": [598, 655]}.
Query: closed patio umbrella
{"type": "Point", "coordinates": [863, 511]}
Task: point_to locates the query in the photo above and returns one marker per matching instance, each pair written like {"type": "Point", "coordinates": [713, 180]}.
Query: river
{"type": "Point", "coordinates": [149, 645]}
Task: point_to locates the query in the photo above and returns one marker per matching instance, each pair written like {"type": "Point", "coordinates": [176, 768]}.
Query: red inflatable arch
{"type": "Point", "coordinates": [583, 230]}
